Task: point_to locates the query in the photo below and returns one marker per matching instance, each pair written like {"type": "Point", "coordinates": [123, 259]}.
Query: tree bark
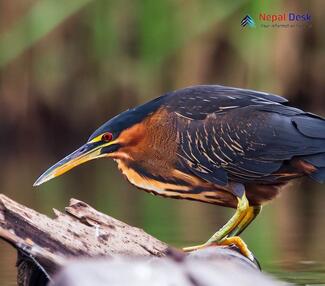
{"type": "Point", "coordinates": [46, 245]}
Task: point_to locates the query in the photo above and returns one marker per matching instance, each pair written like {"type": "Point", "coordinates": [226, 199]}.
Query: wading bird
{"type": "Point", "coordinates": [220, 145]}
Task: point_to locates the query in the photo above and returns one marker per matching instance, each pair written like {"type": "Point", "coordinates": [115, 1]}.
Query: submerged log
{"type": "Point", "coordinates": [49, 246]}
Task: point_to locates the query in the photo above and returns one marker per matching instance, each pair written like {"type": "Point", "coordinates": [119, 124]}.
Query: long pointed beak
{"type": "Point", "coordinates": [84, 154]}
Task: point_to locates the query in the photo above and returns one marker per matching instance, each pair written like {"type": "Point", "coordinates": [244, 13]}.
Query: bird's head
{"type": "Point", "coordinates": [106, 141]}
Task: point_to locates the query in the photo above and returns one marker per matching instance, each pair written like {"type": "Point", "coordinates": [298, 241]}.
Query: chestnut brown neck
{"type": "Point", "coordinates": [151, 143]}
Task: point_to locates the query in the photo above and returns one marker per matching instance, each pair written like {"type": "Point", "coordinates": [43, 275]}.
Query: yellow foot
{"type": "Point", "coordinates": [235, 240]}
{"type": "Point", "coordinates": [240, 244]}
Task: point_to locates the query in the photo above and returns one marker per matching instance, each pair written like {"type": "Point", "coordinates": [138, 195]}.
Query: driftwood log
{"type": "Point", "coordinates": [85, 247]}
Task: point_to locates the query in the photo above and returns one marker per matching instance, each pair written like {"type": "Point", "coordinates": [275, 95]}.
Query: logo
{"type": "Point", "coordinates": [277, 20]}
{"type": "Point", "coordinates": [248, 21]}
{"type": "Point", "coordinates": [285, 20]}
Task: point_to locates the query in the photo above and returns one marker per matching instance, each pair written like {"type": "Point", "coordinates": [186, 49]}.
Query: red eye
{"type": "Point", "coordinates": [107, 137]}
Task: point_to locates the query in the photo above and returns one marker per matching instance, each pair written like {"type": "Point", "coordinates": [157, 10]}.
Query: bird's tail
{"type": "Point", "coordinates": [313, 127]}
{"type": "Point", "coordinates": [318, 161]}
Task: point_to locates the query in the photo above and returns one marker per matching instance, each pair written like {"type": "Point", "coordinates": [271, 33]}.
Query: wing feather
{"type": "Point", "coordinates": [241, 135]}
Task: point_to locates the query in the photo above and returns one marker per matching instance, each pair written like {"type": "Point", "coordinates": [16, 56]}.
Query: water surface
{"type": "Point", "coordinates": [287, 237]}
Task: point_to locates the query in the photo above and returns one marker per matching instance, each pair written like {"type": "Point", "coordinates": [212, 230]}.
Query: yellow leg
{"type": "Point", "coordinates": [233, 237]}
{"type": "Point", "coordinates": [220, 236]}
{"type": "Point", "coordinates": [249, 217]}
{"type": "Point", "coordinates": [242, 209]}
{"type": "Point", "coordinates": [228, 234]}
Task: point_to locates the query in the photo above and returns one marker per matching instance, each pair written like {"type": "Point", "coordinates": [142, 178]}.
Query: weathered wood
{"type": "Point", "coordinates": [208, 267]}
{"type": "Point", "coordinates": [80, 231]}
{"type": "Point", "coordinates": [47, 245]}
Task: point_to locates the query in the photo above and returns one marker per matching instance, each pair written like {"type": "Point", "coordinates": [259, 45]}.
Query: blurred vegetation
{"type": "Point", "coordinates": [68, 66]}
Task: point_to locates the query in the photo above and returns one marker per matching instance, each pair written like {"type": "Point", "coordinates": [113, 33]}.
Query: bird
{"type": "Point", "coordinates": [215, 144]}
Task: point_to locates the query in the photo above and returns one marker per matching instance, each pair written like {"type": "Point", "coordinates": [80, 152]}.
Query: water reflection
{"type": "Point", "coordinates": [287, 237]}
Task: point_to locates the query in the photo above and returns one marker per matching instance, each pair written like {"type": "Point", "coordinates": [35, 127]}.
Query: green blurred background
{"type": "Point", "coordinates": [68, 66]}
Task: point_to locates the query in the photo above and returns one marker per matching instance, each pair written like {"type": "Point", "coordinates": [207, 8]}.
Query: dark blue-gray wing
{"type": "Point", "coordinates": [249, 143]}
{"type": "Point", "coordinates": [199, 101]}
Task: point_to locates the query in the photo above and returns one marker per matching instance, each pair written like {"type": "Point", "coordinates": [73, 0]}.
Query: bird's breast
{"type": "Point", "coordinates": [150, 184]}
{"type": "Point", "coordinates": [178, 185]}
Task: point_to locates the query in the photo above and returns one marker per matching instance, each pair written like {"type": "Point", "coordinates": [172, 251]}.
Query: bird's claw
{"type": "Point", "coordinates": [235, 240]}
